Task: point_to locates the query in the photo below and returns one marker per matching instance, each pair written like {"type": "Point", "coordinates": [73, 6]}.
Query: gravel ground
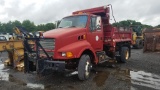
{"type": "Point", "coordinates": [141, 72]}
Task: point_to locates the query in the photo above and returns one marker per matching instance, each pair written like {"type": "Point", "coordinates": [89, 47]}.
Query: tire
{"type": "Point", "coordinates": [139, 44]}
{"type": "Point", "coordinates": [124, 55]}
{"type": "Point", "coordinates": [84, 67]}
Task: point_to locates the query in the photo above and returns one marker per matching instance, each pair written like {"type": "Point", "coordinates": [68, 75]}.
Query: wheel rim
{"type": "Point", "coordinates": [127, 55]}
{"type": "Point", "coordinates": [87, 69]}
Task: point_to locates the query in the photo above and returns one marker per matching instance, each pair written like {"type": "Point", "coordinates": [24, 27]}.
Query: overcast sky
{"type": "Point", "coordinates": [44, 11]}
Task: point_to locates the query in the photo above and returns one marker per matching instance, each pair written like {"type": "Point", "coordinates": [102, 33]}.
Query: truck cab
{"type": "Point", "coordinates": [76, 34]}
{"type": "Point", "coordinates": [92, 26]}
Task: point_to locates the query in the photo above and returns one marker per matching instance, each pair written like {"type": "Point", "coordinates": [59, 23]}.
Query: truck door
{"type": "Point", "coordinates": [95, 34]}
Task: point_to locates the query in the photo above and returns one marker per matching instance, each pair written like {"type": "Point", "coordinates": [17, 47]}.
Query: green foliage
{"type": "Point", "coordinates": [136, 26]}
{"type": "Point", "coordinates": [8, 26]}
{"type": "Point", "coordinates": [16, 23]}
{"type": "Point", "coordinates": [158, 26]}
{"type": "Point", "coordinates": [126, 23]}
{"type": "Point", "coordinates": [2, 27]}
{"type": "Point", "coordinates": [49, 26]}
{"type": "Point", "coordinates": [45, 27]}
{"type": "Point", "coordinates": [40, 27]}
{"type": "Point", "coordinates": [31, 27]}
{"type": "Point", "coordinates": [27, 24]}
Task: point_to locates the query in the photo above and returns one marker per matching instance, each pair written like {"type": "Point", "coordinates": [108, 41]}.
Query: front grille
{"type": "Point", "coordinates": [48, 44]}
{"type": "Point", "coordinates": [49, 53]}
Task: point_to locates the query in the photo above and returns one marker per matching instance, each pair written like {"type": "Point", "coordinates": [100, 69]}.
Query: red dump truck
{"type": "Point", "coordinates": [81, 40]}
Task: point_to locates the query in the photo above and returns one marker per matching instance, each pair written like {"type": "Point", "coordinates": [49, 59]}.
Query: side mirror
{"type": "Point", "coordinates": [57, 23]}
{"type": "Point", "coordinates": [98, 23]}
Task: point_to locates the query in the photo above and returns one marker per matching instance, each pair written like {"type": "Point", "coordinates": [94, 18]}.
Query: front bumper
{"type": "Point", "coordinates": [41, 65]}
{"type": "Point", "coordinates": [51, 65]}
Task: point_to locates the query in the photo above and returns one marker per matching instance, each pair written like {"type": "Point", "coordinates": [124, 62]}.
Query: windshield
{"type": "Point", "coordinates": [73, 21]}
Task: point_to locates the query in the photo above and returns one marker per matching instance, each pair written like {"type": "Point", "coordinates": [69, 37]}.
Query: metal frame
{"type": "Point", "coordinates": [41, 64]}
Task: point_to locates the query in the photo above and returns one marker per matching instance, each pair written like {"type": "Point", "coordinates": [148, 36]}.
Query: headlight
{"type": "Point", "coordinates": [63, 54]}
{"type": "Point", "coordinates": [67, 54]}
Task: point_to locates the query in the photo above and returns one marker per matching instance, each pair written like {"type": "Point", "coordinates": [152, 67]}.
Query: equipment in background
{"type": "Point", "coordinates": [137, 37]}
{"type": "Point", "coordinates": [151, 40]}
{"type": "Point", "coordinates": [15, 48]}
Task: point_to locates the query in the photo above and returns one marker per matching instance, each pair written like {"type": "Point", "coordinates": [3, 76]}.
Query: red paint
{"type": "Point", "coordinates": [67, 38]}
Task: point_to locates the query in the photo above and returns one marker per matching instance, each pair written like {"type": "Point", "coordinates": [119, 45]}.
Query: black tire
{"type": "Point", "coordinates": [139, 44]}
{"type": "Point", "coordinates": [84, 63]}
{"type": "Point", "coordinates": [124, 55]}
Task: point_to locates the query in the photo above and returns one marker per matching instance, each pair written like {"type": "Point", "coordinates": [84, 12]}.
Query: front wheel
{"type": "Point", "coordinates": [84, 67]}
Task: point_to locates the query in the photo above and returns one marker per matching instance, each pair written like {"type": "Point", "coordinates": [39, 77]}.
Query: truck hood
{"type": "Point", "coordinates": [62, 32]}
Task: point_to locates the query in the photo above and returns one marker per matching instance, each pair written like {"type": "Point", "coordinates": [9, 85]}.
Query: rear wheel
{"type": "Point", "coordinates": [124, 55]}
{"type": "Point", "coordinates": [84, 67]}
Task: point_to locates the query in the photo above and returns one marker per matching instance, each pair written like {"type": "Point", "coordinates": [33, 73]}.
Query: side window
{"type": "Point", "coordinates": [95, 23]}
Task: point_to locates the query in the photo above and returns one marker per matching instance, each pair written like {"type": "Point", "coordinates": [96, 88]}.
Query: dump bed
{"type": "Point", "coordinates": [111, 34]}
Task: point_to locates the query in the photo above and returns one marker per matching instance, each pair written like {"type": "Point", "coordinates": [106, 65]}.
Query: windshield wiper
{"type": "Point", "coordinates": [71, 26]}
{"type": "Point", "coordinates": [67, 27]}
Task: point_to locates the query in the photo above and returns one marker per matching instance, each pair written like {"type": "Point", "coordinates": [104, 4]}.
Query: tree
{"type": "Point", "coordinates": [49, 26]}
{"type": "Point", "coordinates": [2, 28]}
{"type": "Point", "coordinates": [45, 27]}
{"type": "Point", "coordinates": [126, 23]}
{"type": "Point", "coordinates": [40, 27]}
{"type": "Point", "coordinates": [136, 26]}
{"type": "Point", "coordinates": [16, 23]}
{"type": "Point", "coordinates": [8, 27]}
{"type": "Point", "coordinates": [158, 26]}
{"type": "Point", "coordinates": [28, 25]}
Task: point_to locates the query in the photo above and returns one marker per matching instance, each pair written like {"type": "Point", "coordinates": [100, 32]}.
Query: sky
{"type": "Point", "coordinates": [45, 11]}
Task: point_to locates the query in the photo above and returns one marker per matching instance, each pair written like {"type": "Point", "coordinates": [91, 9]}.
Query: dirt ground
{"type": "Point", "coordinates": [141, 72]}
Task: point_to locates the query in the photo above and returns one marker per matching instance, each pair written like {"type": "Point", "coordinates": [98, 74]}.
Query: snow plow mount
{"type": "Point", "coordinates": [33, 61]}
